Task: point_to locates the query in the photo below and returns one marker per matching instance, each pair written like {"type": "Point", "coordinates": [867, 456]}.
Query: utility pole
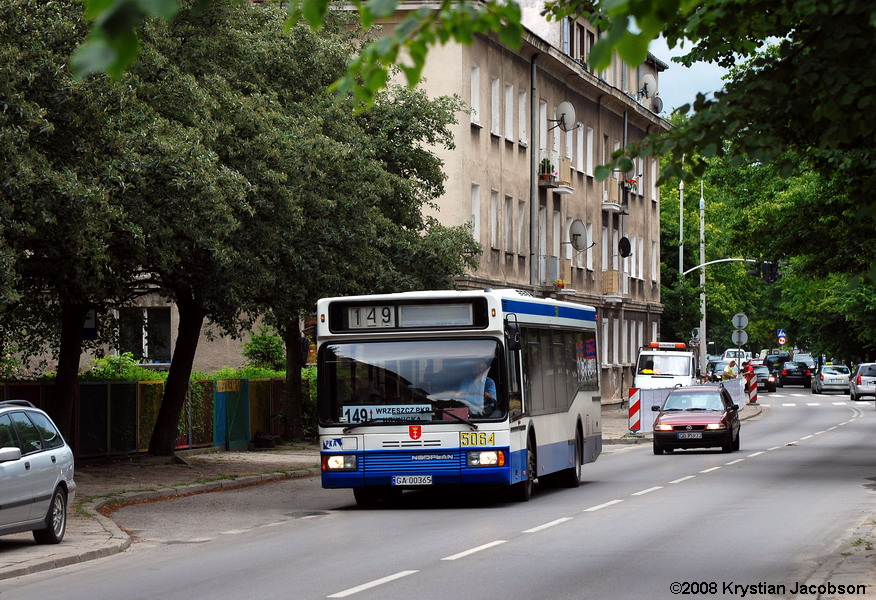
{"type": "Point", "coordinates": [704, 350]}
{"type": "Point", "coordinates": [681, 223]}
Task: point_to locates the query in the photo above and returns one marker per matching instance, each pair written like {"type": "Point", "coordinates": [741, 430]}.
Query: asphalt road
{"type": "Point", "coordinates": [640, 526]}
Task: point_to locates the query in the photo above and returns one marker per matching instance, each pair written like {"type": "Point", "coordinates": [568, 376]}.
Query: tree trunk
{"type": "Point", "coordinates": [293, 395]}
{"type": "Point", "coordinates": [66, 379]}
{"type": "Point", "coordinates": [166, 432]}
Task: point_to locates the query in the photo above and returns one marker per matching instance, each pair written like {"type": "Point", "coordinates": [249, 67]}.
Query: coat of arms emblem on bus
{"type": "Point", "coordinates": [415, 431]}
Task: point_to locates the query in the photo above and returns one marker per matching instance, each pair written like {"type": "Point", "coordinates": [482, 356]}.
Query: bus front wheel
{"type": "Point", "coordinates": [522, 492]}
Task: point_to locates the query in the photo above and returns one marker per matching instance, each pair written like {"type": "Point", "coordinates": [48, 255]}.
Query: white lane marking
{"type": "Point", "coordinates": [789, 404]}
{"type": "Point", "coordinates": [805, 437]}
{"type": "Point", "coordinates": [546, 525]}
{"type": "Point", "coordinates": [773, 448]}
{"type": "Point", "coordinates": [601, 506]}
{"type": "Point", "coordinates": [648, 491]}
{"type": "Point", "coordinates": [813, 404]}
{"type": "Point", "coordinates": [840, 403]}
{"type": "Point", "coordinates": [755, 454]}
{"type": "Point", "coordinates": [473, 550]}
{"type": "Point", "coordinates": [234, 531]}
{"type": "Point", "coordinates": [831, 428]}
{"type": "Point", "coordinates": [733, 462]}
{"type": "Point", "coordinates": [818, 432]}
{"type": "Point", "coordinates": [371, 584]}
{"type": "Point", "coordinates": [710, 470]}
{"type": "Point", "coordinates": [683, 479]}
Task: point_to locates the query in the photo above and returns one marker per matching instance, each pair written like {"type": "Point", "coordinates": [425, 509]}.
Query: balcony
{"type": "Point", "coordinates": [547, 168]}
{"type": "Point", "coordinates": [613, 286]}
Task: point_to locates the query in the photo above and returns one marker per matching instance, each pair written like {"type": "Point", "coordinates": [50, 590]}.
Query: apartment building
{"type": "Point", "coordinates": [522, 174]}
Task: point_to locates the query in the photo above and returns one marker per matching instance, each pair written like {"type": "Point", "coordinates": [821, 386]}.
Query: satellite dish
{"type": "Point", "coordinates": [623, 247]}
{"type": "Point", "coordinates": [649, 85]}
{"type": "Point", "coordinates": [657, 104]}
{"type": "Point", "coordinates": [566, 116]}
{"type": "Point", "coordinates": [578, 235]}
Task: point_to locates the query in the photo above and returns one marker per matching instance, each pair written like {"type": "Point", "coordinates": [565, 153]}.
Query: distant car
{"type": "Point", "coordinates": [765, 379]}
{"type": "Point", "coordinates": [863, 382]}
{"type": "Point", "coordinates": [805, 358]}
{"type": "Point", "coordinates": [831, 378]}
{"type": "Point", "coordinates": [36, 473]}
{"type": "Point", "coordinates": [775, 361]}
{"type": "Point", "coordinates": [697, 417]}
{"type": "Point", "coordinates": [794, 373]}
{"type": "Point", "coordinates": [755, 362]}
{"type": "Point", "coordinates": [717, 370]}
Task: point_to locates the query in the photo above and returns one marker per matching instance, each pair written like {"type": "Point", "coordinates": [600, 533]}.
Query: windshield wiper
{"type": "Point", "coordinates": [671, 409]}
{"type": "Point", "coordinates": [473, 426]}
{"type": "Point", "coordinates": [353, 426]}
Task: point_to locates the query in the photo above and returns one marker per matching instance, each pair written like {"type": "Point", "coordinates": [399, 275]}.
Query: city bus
{"type": "Point", "coordinates": [490, 388]}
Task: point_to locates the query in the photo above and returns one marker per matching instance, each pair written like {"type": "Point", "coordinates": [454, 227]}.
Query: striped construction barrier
{"type": "Point", "coordinates": [635, 410]}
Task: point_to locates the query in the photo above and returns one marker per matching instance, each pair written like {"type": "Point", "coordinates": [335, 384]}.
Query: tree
{"type": "Point", "coordinates": [769, 107]}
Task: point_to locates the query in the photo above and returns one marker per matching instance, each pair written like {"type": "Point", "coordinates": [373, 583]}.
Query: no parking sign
{"type": "Point", "coordinates": [783, 340]}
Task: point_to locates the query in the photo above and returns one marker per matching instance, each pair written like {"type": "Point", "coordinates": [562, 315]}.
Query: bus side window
{"type": "Point", "coordinates": [515, 393]}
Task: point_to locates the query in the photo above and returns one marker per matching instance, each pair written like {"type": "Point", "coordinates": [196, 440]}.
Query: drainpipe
{"type": "Point", "coordinates": [533, 180]}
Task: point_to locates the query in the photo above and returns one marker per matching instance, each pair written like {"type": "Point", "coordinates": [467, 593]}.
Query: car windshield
{"type": "Point", "coordinates": [693, 401]}
{"type": "Point", "coordinates": [411, 381]}
{"type": "Point", "coordinates": [663, 364]}
{"type": "Point", "coordinates": [761, 370]}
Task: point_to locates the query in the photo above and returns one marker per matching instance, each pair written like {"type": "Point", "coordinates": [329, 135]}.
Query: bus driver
{"type": "Point", "coordinates": [477, 390]}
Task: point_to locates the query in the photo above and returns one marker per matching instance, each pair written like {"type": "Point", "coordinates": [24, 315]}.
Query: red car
{"type": "Point", "coordinates": [697, 417]}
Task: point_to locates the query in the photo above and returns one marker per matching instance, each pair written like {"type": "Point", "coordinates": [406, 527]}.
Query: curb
{"type": "Point", "coordinates": [118, 540]}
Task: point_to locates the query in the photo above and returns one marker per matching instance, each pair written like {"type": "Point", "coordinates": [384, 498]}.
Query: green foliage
{"type": "Point", "coordinates": [266, 350]}
{"type": "Point", "coordinates": [121, 367]}
{"type": "Point", "coordinates": [246, 372]}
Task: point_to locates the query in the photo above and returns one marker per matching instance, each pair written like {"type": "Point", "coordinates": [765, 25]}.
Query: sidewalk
{"type": "Point", "coordinates": [91, 534]}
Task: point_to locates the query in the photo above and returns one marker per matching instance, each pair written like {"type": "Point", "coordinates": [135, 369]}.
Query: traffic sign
{"type": "Point", "coordinates": [782, 340]}
{"type": "Point", "coordinates": [781, 333]}
{"type": "Point", "coordinates": [739, 337]}
{"type": "Point", "coordinates": [740, 320]}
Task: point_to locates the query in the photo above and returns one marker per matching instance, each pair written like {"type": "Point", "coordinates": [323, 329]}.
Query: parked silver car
{"type": "Point", "coordinates": [831, 378]}
{"type": "Point", "coordinates": [863, 382]}
{"type": "Point", "coordinates": [36, 473]}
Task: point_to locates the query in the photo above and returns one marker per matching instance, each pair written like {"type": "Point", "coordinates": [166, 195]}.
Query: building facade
{"type": "Point", "coordinates": [522, 174]}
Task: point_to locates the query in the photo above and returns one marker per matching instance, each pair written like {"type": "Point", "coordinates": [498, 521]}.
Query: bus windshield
{"type": "Point", "coordinates": [411, 381]}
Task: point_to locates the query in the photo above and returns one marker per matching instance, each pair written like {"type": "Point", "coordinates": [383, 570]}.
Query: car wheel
{"type": "Point", "coordinates": [815, 389]}
{"type": "Point", "coordinates": [772, 388]}
{"type": "Point", "coordinates": [658, 449]}
{"type": "Point", "coordinates": [727, 446]}
{"type": "Point", "coordinates": [736, 441]}
{"type": "Point", "coordinates": [55, 521]}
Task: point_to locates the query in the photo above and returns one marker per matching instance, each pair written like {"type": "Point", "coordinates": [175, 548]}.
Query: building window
{"type": "Point", "coordinates": [606, 251]}
{"type": "Point", "coordinates": [589, 169]}
{"type": "Point", "coordinates": [145, 333]}
{"type": "Point", "coordinates": [494, 219]}
{"type": "Point", "coordinates": [495, 113]}
{"type": "Point", "coordinates": [508, 222]}
{"type": "Point", "coordinates": [589, 251]}
{"type": "Point", "coordinates": [475, 100]}
{"type": "Point", "coordinates": [522, 118]}
{"type": "Point", "coordinates": [521, 226]}
{"type": "Point", "coordinates": [509, 112]}
{"type": "Point", "coordinates": [567, 36]}
{"type": "Point", "coordinates": [476, 212]}
{"type": "Point", "coordinates": [654, 261]}
{"type": "Point", "coordinates": [579, 150]}
{"type": "Point", "coordinates": [542, 125]}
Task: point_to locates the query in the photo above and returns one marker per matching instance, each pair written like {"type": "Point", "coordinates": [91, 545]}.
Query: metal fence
{"type": "Point", "coordinates": [117, 419]}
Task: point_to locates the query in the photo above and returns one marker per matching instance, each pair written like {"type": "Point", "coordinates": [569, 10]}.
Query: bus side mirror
{"type": "Point", "coordinates": [512, 332]}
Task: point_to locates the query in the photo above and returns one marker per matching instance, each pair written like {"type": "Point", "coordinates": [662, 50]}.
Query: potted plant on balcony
{"type": "Point", "coordinates": [546, 170]}
{"type": "Point", "coordinates": [560, 284]}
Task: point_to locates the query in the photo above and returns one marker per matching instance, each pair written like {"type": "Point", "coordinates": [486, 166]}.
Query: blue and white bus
{"type": "Point", "coordinates": [395, 412]}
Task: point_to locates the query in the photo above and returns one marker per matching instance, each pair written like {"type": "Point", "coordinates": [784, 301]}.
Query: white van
{"type": "Point", "coordinates": [736, 354]}
{"type": "Point", "coordinates": [664, 365]}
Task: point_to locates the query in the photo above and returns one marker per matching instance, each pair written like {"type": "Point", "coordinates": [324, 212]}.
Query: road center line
{"type": "Point", "coordinates": [733, 462]}
{"type": "Point", "coordinates": [369, 585]}
{"type": "Point", "coordinates": [600, 506]}
{"type": "Point", "coordinates": [831, 428]}
{"type": "Point", "coordinates": [805, 437]}
{"type": "Point", "coordinates": [710, 470]}
{"type": "Point", "coordinates": [648, 491]}
{"type": "Point", "coordinates": [818, 432]}
{"type": "Point", "coordinates": [473, 550]}
{"type": "Point", "coordinates": [773, 448]}
{"type": "Point", "coordinates": [683, 479]}
{"type": "Point", "coordinates": [546, 525]}
{"type": "Point", "coordinates": [755, 454]}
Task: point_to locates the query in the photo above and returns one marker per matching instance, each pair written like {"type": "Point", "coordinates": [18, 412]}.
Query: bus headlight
{"type": "Point", "coordinates": [486, 458]}
{"type": "Point", "coordinates": [339, 462]}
